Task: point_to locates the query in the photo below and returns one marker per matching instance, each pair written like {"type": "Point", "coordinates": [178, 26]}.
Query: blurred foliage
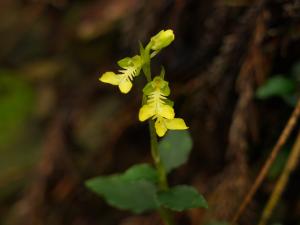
{"type": "Point", "coordinates": [17, 148]}
{"type": "Point", "coordinates": [283, 86]}
{"type": "Point", "coordinates": [279, 86]}
{"type": "Point", "coordinates": [16, 102]}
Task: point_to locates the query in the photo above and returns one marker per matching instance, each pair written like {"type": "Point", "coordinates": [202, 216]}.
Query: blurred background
{"type": "Point", "coordinates": [234, 72]}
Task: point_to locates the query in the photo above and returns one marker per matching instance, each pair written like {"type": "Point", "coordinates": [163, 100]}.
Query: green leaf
{"type": "Point", "coordinates": [125, 194]}
{"type": "Point", "coordinates": [182, 197]}
{"type": "Point", "coordinates": [276, 86]}
{"type": "Point", "coordinates": [175, 148]}
{"type": "Point", "coordinates": [123, 191]}
{"type": "Point", "coordinates": [141, 171]}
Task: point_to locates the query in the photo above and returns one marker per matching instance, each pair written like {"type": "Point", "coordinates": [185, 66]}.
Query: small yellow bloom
{"type": "Point", "coordinates": [157, 107]}
{"type": "Point", "coordinates": [131, 68]}
{"type": "Point", "coordinates": [156, 96]}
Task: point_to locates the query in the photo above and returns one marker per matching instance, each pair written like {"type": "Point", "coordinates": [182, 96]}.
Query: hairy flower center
{"type": "Point", "coordinates": [128, 74]}
{"type": "Point", "coordinates": [156, 99]}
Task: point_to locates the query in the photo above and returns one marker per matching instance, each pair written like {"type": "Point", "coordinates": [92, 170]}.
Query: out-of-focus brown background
{"type": "Point", "coordinates": [59, 126]}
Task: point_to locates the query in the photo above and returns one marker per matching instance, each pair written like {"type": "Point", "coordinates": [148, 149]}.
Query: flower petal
{"type": "Point", "coordinates": [137, 61]}
{"type": "Point", "coordinates": [125, 86]}
{"type": "Point", "coordinates": [160, 127]}
{"type": "Point", "coordinates": [125, 62]}
{"type": "Point", "coordinates": [110, 78]}
{"type": "Point", "coordinates": [146, 112]}
{"type": "Point", "coordinates": [166, 111]}
{"type": "Point", "coordinates": [148, 89]}
{"type": "Point", "coordinates": [176, 124]}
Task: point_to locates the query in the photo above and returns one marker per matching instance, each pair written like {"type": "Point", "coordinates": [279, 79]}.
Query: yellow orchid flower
{"type": "Point", "coordinates": [131, 68]}
{"type": "Point", "coordinates": [156, 92]}
{"type": "Point", "coordinates": [159, 107]}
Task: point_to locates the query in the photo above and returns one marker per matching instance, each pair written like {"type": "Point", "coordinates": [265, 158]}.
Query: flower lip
{"type": "Point", "coordinates": [162, 125]}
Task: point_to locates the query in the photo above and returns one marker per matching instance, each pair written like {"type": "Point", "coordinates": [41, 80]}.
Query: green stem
{"type": "Point", "coordinates": [162, 175]}
{"type": "Point", "coordinates": [146, 66]}
{"type": "Point", "coordinates": [164, 213]}
{"type": "Point", "coordinates": [166, 216]}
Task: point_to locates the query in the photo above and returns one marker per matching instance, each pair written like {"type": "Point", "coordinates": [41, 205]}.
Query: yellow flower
{"type": "Point", "coordinates": [156, 92]}
{"type": "Point", "coordinates": [162, 125]}
{"type": "Point", "coordinates": [159, 107]}
{"type": "Point", "coordinates": [131, 68]}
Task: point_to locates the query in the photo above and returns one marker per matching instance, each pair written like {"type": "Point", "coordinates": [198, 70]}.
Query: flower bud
{"type": "Point", "coordinates": [162, 39]}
